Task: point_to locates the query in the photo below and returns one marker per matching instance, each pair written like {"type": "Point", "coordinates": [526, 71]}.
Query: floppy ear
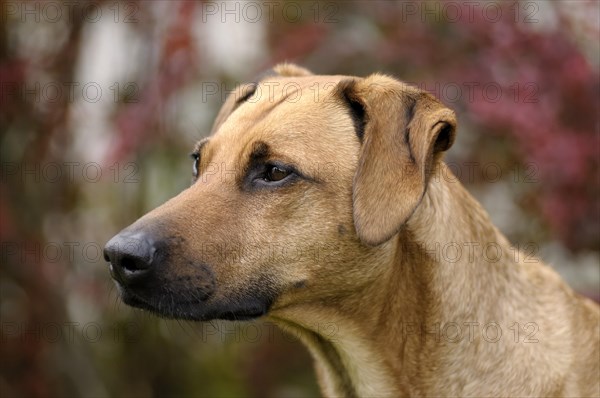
{"type": "Point", "coordinates": [245, 91]}
{"type": "Point", "coordinates": [405, 131]}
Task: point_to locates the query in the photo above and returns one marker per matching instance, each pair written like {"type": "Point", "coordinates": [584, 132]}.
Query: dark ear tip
{"type": "Point", "coordinates": [345, 90]}
{"type": "Point", "coordinates": [445, 138]}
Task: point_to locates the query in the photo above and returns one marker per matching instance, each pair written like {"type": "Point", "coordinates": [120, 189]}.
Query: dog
{"type": "Point", "coordinates": [345, 176]}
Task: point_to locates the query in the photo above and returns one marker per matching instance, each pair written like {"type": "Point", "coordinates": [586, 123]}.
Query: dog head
{"type": "Point", "coordinates": [303, 180]}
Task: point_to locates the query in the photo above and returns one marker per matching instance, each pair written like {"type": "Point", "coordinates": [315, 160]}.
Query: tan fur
{"type": "Point", "coordinates": [370, 291]}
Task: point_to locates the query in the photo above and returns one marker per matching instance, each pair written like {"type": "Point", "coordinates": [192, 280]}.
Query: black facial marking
{"type": "Point", "coordinates": [256, 163]}
{"type": "Point", "coordinates": [260, 151]}
{"type": "Point", "coordinates": [265, 172]}
{"type": "Point", "coordinates": [300, 285]}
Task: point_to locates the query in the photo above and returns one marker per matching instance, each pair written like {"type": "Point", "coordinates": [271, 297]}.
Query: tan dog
{"type": "Point", "coordinates": [343, 176]}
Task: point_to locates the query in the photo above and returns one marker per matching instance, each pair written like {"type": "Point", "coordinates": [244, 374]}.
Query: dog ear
{"type": "Point", "coordinates": [245, 91]}
{"type": "Point", "coordinates": [403, 132]}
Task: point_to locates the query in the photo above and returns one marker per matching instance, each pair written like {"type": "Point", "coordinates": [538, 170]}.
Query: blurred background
{"type": "Point", "coordinates": [102, 101]}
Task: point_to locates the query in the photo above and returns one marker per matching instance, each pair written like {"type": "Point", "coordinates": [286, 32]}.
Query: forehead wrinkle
{"type": "Point", "coordinates": [247, 91]}
{"type": "Point", "coordinates": [297, 132]}
{"type": "Point", "coordinates": [264, 112]}
{"type": "Point", "coordinates": [285, 88]}
{"type": "Point", "coordinates": [252, 118]}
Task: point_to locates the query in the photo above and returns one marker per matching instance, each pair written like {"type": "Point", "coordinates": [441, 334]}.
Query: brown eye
{"type": "Point", "coordinates": [276, 173]}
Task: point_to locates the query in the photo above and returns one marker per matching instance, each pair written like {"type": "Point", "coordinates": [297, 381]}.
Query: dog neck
{"type": "Point", "coordinates": [368, 344]}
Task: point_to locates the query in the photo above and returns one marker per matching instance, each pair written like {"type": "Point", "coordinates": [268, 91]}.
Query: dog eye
{"type": "Point", "coordinates": [195, 157]}
{"type": "Point", "coordinates": [276, 173]}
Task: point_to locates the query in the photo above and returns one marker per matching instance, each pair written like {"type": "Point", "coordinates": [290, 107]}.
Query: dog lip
{"type": "Point", "coordinates": [193, 310]}
{"type": "Point", "coordinates": [134, 300]}
{"type": "Point", "coordinates": [115, 275]}
{"type": "Point", "coordinates": [242, 315]}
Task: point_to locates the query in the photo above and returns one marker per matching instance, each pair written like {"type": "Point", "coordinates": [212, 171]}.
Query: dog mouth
{"type": "Point", "coordinates": [171, 306]}
{"type": "Point", "coordinates": [172, 285]}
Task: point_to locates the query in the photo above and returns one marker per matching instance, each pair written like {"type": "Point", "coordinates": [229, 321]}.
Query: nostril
{"type": "Point", "coordinates": [134, 264]}
{"type": "Point", "coordinates": [130, 256]}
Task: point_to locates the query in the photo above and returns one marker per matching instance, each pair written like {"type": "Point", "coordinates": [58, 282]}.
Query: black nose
{"type": "Point", "coordinates": [130, 255]}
